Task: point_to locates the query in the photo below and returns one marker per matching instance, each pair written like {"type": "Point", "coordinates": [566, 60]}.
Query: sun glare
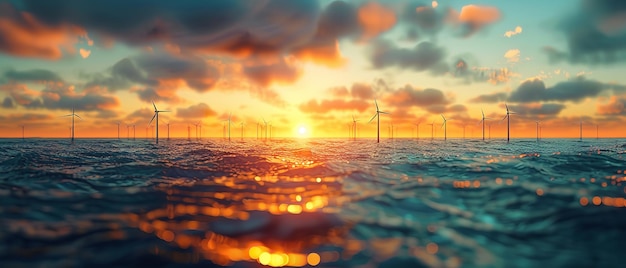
{"type": "Point", "coordinates": [302, 131]}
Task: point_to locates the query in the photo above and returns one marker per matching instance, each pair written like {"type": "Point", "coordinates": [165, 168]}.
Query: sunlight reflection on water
{"type": "Point", "coordinates": [312, 202]}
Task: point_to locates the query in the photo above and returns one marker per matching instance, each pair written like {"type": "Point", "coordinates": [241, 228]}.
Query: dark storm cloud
{"type": "Point", "coordinates": [544, 109]}
{"type": "Point", "coordinates": [34, 75]}
{"type": "Point", "coordinates": [424, 56]}
{"type": "Point", "coordinates": [490, 98]}
{"type": "Point", "coordinates": [594, 33]}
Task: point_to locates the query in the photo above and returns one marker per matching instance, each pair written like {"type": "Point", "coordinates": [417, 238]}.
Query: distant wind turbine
{"type": "Point", "coordinates": [188, 132]}
{"type": "Point", "coordinates": [242, 123]}
{"type": "Point", "coordinates": [444, 125]}
{"type": "Point", "coordinates": [229, 121]}
{"type": "Point", "coordinates": [168, 130]}
{"type": "Point", "coordinates": [73, 114]}
{"type": "Point", "coordinates": [377, 115]}
{"type": "Point", "coordinates": [597, 131]}
{"type": "Point", "coordinates": [508, 122]}
{"type": "Point", "coordinates": [537, 122]}
{"type": "Point", "coordinates": [265, 122]}
{"type": "Point", "coordinates": [156, 115]}
{"type": "Point", "coordinates": [417, 130]}
{"type": "Point", "coordinates": [354, 126]}
{"type": "Point", "coordinates": [118, 130]}
{"type": "Point", "coordinates": [432, 130]}
{"type": "Point", "coordinates": [22, 131]}
{"type": "Point", "coordinates": [483, 121]}
{"type": "Point", "coordinates": [127, 132]}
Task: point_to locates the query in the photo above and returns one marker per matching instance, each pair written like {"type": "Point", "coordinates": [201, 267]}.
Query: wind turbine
{"type": "Point", "coordinates": [432, 130]}
{"type": "Point", "coordinates": [444, 125]}
{"type": "Point", "coordinates": [188, 132]}
{"type": "Point", "coordinates": [354, 126]}
{"type": "Point", "coordinates": [417, 131]}
{"type": "Point", "coordinates": [508, 122]}
{"type": "Point", "coordinates": [483, 121]}
{"type": "Point", "coordinates": [229, 121]}
{"type": "Point", "coordinates": [156, 115]}
{"type": "Point", "coordinates": [241, 130]}
{"type": "Point", "coordinates": [196, 124]}
{"type": "Point", "coordinates": [118, 130]}
{"type": "Point", "coordinates": [22, 131]}
{"type": "Point", "coordinates": [127, 132]}
{"type": "Point", "coordinates": [265, 122]}
{"type": "Point", "coordinates": [377, 115]}
{"type": "Point", "coordinates": [257, 129]}
{"type": "Point", "coordinates": [134, 132]}
{"type": "Point", "coordinates": [73, 114]}
{"type": "Point", "coordinates": [597, 131]}
{"type": "Point", "coordinates": [168, 130]}
{"type": "Point", "coordinates": [537, 122]}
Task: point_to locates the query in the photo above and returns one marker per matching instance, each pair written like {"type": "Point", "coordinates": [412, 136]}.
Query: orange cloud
{"type": "Point", "coordinates": [84, 53]}
{"type": "Point", "coordinates": [479, 14]}
{"type": "Point", "coordinates": [23, 35]}
{"type": "Point", "coordinates": [375, 19]}
{"type": "Point", "coordinates": [323, 53]}
{"type": "Point", "coordinates": [325, 106]}
{"type": "Point", "coordinates": [615, 106]}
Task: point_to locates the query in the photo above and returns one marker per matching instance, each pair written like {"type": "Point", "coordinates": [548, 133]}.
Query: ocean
{"type": "Point", "coordinates": [312, 202]}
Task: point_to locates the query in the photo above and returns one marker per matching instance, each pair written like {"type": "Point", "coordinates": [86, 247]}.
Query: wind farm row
{"type": "Point", "coordinates": [264, 128]}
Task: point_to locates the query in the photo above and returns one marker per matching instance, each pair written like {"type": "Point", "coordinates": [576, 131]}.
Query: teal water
{"type": "Point", "coordinates": [328, 202]}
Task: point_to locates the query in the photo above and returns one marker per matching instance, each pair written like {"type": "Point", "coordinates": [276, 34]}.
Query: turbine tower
{"type": "Point", "coordinates": [508, 122]}
{"type": "Point", "coordinates": [73, 114]}
{"type": "Point", "coordinates": [417, 131]}
{"type": "Point", "coordinates": [444, 125]}
{"type": "Point", "coordinates": [537, 122]}
{"type": "Point", "coordinates": [483, 121]}
{"type": "Point", "coordinates": [156, 115]}
{"type": "Point", "coordinates": [354, 126]}
{"type": "Point", "coordinates": [432, 130]}
{"type": "Point", "coordinates": [377, 115]}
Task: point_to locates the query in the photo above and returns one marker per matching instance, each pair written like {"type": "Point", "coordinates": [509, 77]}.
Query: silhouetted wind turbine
{"type": "Point", "coordinates": [73, 114]}
{"type": "Point", "coordinates": [483, 121]}
{"type": "Point", "coordinates": [417, 131]}
{"type": "Point", "coordinates": [508, 122]}
{"type": "Point", "coordinates": [257, 129]}
{"type": "Point", "coordinates": [444, 125]}
{"type": "Point", "coordinates": [537, 122]}
{"type": "Point", "coordinates": [118, 130]}
{"type": "Point", "coordinates": [127, 132]}
{"type": "Point", "coordinates": [241, 130]}
{"type": "Point", "coordinates": [156, 115]}
{"type": "Point", "coordinates": [265, 122]}
{"type": "Point", "coordinates": [354, 126]}
{"type": "Point", "coordinates": [197, 137]}
{"type": "Point", "coordinates": [377, 115]}
{"type": "Point", "coordinates": [188, 132]}
{"type": "Point", "coordinates": [168, 130]}
{"type": "Point", "coordinates": [597, 131]}
{"type": "Point", "coordinates": [229, 116]}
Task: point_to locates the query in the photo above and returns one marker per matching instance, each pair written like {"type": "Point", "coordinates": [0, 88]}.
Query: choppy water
{"type": "Point", "coordinates": [402, 203]}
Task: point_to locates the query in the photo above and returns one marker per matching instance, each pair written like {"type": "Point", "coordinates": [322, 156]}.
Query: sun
{"type": "Point", "coordinates": [302, 131]}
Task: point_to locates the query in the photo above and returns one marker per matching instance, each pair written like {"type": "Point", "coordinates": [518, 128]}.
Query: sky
{"type": "Point", "coordinates": [309, 67]}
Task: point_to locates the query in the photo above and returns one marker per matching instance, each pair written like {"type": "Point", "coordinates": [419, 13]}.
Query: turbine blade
{"type": "Point", "coordinates": [504, 117]}
{"type": "Point", "coordinates": [152, 118]}
{"type": "Point", "coordinates": [78, 116]}
{"type": "Point", "coordinates": [372, 118]}
{"type": "Point", "coordinates": [507, 107]}
{"type": "Point", "coordinates": [481, 110]}
{"type": "Point", "coordinates": [155, 108]}
{"type": "Point", "coordinates": [444, 118]}
{"type": "Point", "coordinates": [381, 112]}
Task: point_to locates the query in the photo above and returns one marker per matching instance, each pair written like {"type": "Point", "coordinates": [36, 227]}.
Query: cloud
{"type": "Point", "coordinates": [58, 96]}
{"type": "Point", "coordinates": [325, 106]}
{"type": "Point", "coordinates": [574, 90]}
{"type": "Point", "coordinates": [615, 106]}
{"type": "Point", "coordinates": [33, 75]}
{"type": "Point", "coordinates": [157, 75]}
{"type": "Point", "coordinates": [473, 18]}
{"type": "Point", "coordinates": [7, 103]}
{"type": "Point", "coordinates": [84, 53]}
{"type": "Point", "coordinates": [282, 71]}
{"type": "Point", "coordinates": [409, 96]}
{"type": "Point", "coordinates": [490, 98]}
{"type": "Point", "coordinates": [512, 55]}
{"type": "Point", "coordinates": [199, 110]}
{"type": "Point", "coordinates": [375, 19]}
{"type": "Point", "coordinates": [538, 109]}
{"type": "Point", "coordinates": [594, 34]}
{"type": "Point", "coordinates": [518, 30]}
{"type": "Point", "coordinates": [24, 35]}
{"type": "Point", "coordinates": [424, 56]}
